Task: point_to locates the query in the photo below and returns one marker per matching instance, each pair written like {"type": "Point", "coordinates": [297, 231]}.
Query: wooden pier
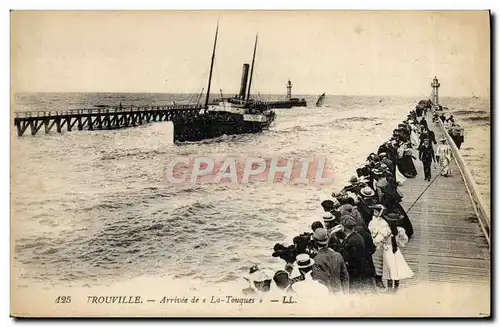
{"type": "Point", "coordinates": [100, 118]}
{"type": "Point", "coordinates": [451, 243]}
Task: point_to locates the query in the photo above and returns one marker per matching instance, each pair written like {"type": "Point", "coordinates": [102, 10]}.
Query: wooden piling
{"type": "Point", "coordinates": [96, 119]}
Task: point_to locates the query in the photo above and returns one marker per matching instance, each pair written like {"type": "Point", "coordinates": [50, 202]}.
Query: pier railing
{"type": "Point", "coordinates": [102, 117]}
{"type": "Point", "coordinates": [92, 111]}
{"type": "Point", "coordinates": [482, 213]}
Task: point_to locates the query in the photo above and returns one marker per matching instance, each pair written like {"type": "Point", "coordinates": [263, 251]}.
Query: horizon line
{"type": "Point", "coordinates": [260, 93]}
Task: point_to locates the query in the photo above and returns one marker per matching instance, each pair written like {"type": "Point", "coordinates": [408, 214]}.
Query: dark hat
{"type": "Point", "coordinates": [353, 180]}
{"type": "Point", "coordinates": [279, 273]}
{"type": "Point", "coordinates": [326, 203]}
{"type": "Point", "coordinates": [278, 247]}
{"type": "Point", "coordinates": [392, 217]}
{"type": "Point", "coordinates": [253, 269]}
{"type": "Point", "coordinates": [317, 224]}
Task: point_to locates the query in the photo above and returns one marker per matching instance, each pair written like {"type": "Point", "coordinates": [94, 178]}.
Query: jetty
{"type": "Point", "coordinates": [451, 224]}
{"type": "Point", "coordinates": [101, 118]}
{"type": "Point", "coordinates": [451, 241]}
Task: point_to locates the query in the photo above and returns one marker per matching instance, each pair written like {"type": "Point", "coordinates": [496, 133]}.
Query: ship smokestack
{"type": "Point", "coordinates": [244, 81]}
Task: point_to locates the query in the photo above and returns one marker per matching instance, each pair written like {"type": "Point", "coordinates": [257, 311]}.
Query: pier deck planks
{"type": "Point", "coordinates": [448, 244]}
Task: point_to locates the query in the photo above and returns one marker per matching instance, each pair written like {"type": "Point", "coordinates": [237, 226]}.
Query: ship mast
{"type": "Point", "coordinates": [251, 69]}
{"type": "Point", "coordinates": [211, 67]}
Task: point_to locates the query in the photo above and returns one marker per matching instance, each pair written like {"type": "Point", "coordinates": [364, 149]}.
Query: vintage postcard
{"type": "Point", "coordinates": [250, 164]}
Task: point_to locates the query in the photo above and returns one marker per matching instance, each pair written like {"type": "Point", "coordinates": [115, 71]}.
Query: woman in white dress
{"type": "Point", "coordinates": [379, 230]}
{"type": "Point", "coordinates": [443, 157]}
{"type": "Point", "coordinates": [414, 136]}
{"type": "Point", "coordinates": [395, 267]}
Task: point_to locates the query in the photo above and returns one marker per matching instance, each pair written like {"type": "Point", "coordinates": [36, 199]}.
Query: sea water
{"type": "Point", "coordinates": [94, 207]}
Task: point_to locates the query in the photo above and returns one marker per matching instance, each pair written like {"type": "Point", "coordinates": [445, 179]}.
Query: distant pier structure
{"type": "Point", "coordinates": [289, 102]}
{"type": "Point", "coordinates": [435, 91]}
{"type": "Point", "coordinates": [289, 90]}
{"type": "Point", "coordinates": [102, 118]}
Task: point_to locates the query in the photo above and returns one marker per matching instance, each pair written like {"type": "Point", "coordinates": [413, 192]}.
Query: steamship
{"type": "Point", "coordinates": [237, 115]}
{"type": "Point", "coordinates": [288, 103]}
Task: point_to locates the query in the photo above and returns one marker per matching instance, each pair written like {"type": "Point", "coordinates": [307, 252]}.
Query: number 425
{"type": "Point", "coordinates": [63, 299]}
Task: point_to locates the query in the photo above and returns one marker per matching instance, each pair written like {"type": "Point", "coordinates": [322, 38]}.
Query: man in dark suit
{"type": "Point", "coordinates": [426, 155]}
{"type": "Point", "coordinates": [359, 267]}
{"type": "Point", "coordinates": [423, 122]}
{"type": "Point", "coordinates": [329, 266]}
{"type": "Point", "coordinates": [432, 136]}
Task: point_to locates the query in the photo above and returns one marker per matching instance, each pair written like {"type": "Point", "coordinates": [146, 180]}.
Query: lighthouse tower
{"type": "Point", "coordinates": [288, 90]}
{"type": "Point", "coordinates": [435, 95]}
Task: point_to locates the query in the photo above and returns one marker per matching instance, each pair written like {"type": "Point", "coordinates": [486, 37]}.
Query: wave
{"type": "Point", "coordinates": [293, 129]}
{"type": "Point", "coordinates": [468, 112]}
{"type": "Point", "coordinates": [122, 154]}
{"type": "Point", "coordinates": [220, 139]}
{"type": "Point", "coordinates": [192, 209]}
{"type": "Point", "coordinates": [485, 119]}
{"type": "Point", "coordinates": [338, 123]}
{"type": "Point", "coordinates": [107, 206]}
{"type": "Point", "coordinates": [356, 119]}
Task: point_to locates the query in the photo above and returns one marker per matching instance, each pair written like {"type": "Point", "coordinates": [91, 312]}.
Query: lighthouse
{"type": "Point", "coordinates": [435, 95]}
{"type": "Point", "coordinates": [288, 90]}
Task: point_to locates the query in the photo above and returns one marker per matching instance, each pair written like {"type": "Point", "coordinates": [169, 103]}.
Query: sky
{"type": "Point", "coordinates": [337, 52]}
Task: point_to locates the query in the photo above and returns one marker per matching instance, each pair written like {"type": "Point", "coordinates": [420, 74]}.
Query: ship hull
{"type": "Point", "coordinates": [215, 124]}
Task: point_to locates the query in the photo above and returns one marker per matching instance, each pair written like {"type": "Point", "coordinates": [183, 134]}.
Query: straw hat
{"type": "Point", "coordinates": [303, 261]}
{"type": "Point", "coordinates": [367, 191]}
{"type": "Point", "coordinates": [321, 236]}
{"type": "Point", "coordinates": [327, 217]}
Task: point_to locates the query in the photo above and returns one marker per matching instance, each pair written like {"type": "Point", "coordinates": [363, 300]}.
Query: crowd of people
{"type": "Point", "coordinates": [357, 244]}
{"type": "Point", "coordinates": [455, 130]}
